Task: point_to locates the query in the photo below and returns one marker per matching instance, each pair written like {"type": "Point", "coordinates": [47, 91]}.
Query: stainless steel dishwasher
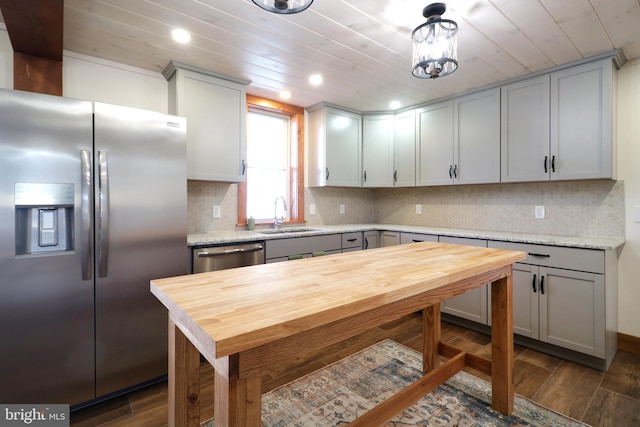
{"type": "Point", "coordinates": [213, 258]}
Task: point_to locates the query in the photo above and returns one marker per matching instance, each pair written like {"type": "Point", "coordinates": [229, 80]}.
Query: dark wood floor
{"type": "Point", "coordinates": [598, 398]}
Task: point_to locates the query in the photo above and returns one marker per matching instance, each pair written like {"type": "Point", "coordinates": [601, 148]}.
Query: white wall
{"type": "Point", "coordinates": [629, 170]}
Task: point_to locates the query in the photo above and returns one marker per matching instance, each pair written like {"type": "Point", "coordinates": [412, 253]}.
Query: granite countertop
{"type": "Point", "coordinates": [241, 236]}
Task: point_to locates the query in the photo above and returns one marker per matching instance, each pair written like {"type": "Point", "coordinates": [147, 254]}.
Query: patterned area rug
{"type": "Point", "coordinates": [339, 393]}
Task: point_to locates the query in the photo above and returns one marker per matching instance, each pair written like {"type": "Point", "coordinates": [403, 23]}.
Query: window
{"type": "Point", "coordinates": [274, 162]}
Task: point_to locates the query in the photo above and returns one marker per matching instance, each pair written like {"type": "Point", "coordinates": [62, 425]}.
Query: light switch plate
{"type": "Point", "coordinates": [312, 209]}
{"type": "Point", "coordinates": [342, 209]}
{"type": "Point", "coordinates": [418, 209]}
{"type": "Point", "coordinates": [539, 212]}
{"type": "Point", "coordinates": [636, 214]}
{"type": "Point", "coordinates": [217, 211]}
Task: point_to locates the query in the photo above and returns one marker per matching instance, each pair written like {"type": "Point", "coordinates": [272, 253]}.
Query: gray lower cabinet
{"type": "Point", "coordinates": [417, 237]}
{"type": "Point", "coordinates": [389, 238]}
{"type": "Point", "coordinates": [352, 241]}
{"type": "Point", "coordinates": [566, 297]}
{"type": "Point", "coordinates": [302, 247]}
{"type": "Point", "coordinates": [371, 239]}
{"type": "Point", "coordinates": [472, 305]}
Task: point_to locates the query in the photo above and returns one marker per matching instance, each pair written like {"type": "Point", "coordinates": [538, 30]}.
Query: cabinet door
{"type": "Point", "coordinates": [343, 148]}
{"type": "Point", "coordinates": [572, 310]}
{"type": "Point", "coordinates": [476, 137]}
{"type": "Point", "coordinates": [581, 121]}
{"type": "Point", "coordinates": [404, 173]}
{"type": "Point", "coordinates": [473, 304]}
{"type": "Point", "coordinates": [371, 239]}
{"type": "Point", "coordinates": [389, 238]}
{"type": "Point", "coordinates": [377, 150]}
{"type": "Point", "coordinates": [216, 125]}
{"type": "Point", "coordinates": [524, 132]}
{"type": "Point", "coordinates": [525, 300]}
{"type": "Point", "coordinates": [435, 147]}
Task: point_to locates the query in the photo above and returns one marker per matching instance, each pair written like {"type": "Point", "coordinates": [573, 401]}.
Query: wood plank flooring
{"type": "Point", "coordinates": [598, 398]}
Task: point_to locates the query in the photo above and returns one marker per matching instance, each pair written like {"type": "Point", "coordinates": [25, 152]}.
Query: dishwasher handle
{"type": "Point", "coordinates": [231, 251]}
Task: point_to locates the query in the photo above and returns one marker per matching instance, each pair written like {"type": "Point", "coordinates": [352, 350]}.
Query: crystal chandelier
{"type": "Point", "coordinates": [435, 44]}
{"type": "Point", "coordinates": [283, 6]}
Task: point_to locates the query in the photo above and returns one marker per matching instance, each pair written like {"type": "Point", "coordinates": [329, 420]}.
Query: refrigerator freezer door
{"type": "Point", "coordinates": [46, 309]}
{"type": "Point", "coordinates": [142, 184]}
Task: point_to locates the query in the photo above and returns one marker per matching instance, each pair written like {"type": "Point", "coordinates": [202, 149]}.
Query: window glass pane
{"type": "Point", "coordinates": [267, 160]}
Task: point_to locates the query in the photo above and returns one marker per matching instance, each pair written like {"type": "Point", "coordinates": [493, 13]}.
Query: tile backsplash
{"type": "Point", "coordinates": [576, 208]}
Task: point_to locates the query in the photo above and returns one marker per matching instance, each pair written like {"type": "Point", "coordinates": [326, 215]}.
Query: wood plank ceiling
{"type": "Point", "coordinates": [361, 47]}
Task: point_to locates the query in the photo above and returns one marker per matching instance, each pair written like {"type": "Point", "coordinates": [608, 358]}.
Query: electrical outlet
{"type": "Point", "coordinates": [342, 209]}
{"type": "Point", "coordinates": [217, 211]}
{"type": "Point", "coordinates": [539, 212]}
{"type": "Point", "coordinates": [418, 209]}
{"type": "Point", "coordinates": [312, 209]}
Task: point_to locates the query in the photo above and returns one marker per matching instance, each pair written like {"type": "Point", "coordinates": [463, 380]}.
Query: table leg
{"type": "Point", "coordinates": [502, 344]}
{"type": "Point", "coordinates": [430, 337]}
{"type": "Point", "coordinates": [237, 402]}
{"type": "Point", "coordinates": [184, 380]}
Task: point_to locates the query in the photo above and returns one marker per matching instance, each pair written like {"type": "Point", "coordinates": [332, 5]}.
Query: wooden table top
{"type": "Point", "coordinates": [229, 311]}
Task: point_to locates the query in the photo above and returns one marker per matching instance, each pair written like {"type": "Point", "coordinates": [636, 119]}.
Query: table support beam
{"type": "Point", "coordinates": [184, 380]}
{"type": "Point", "coordinates": [237, 401]}
{"type": "Point", "coordinates": [502, 345]}
{"type": "Point", "coordinates": [431, 331]}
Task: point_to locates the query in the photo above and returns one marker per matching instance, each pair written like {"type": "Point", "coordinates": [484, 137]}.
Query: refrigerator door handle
{"type": "Point", "coordinates": [102, 209]}
{"type": "Point", "coordinates": [86, 242]}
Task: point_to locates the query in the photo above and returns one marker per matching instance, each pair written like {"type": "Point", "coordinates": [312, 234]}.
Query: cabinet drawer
{"type": "Point", "coordinates": [302, 245]}
{"type": "Point", "coordinates": [417, 237]}
{"type": "Point", "coordinates": [352, 240]}
{"type": "Point", "coordinates": [591, 260]}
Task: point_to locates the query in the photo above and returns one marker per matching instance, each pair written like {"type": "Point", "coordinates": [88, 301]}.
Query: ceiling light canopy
{"type": "Point", "coordinates": [435, 44]}
{"type": "Point", "coordinates": [283, 6]}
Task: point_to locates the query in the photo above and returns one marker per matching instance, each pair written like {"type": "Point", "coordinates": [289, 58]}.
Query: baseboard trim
{"type": "Point", "coordinates": [629, 343]}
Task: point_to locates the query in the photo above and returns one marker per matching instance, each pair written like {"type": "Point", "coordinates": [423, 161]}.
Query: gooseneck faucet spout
{"type": "Point", "coordinates": [277, 222]}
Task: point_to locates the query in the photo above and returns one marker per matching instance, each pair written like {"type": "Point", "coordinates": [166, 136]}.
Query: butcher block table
{"type": "Point", "coordinates": [243, 320]}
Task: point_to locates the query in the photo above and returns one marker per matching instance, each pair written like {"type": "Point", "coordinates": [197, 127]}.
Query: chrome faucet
{"type": "Point", "coordinates": [278, 222]}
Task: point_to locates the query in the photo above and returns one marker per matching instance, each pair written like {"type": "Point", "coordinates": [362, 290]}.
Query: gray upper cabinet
{"type": "Point", "coordinates": [215, 109]}
{"type": "Point", "coordinates": [525, 130]}
{"type": "Point", "coordinates": [558, 126]}
{"type": "Point", "coordinates": [581, 121]}
{"type": "Point", "coordinates": [434, 152]}
{"type": "Point", "coordinates": [460, 140]}
{"type": "Point", "coordinates": [404, 151]}
{"type": "Point", "coordinates": [377, 150]}
{"type": "Point", "coordinates": [335, 147]}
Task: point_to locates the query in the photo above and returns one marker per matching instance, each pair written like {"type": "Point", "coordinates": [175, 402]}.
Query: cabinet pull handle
{"type": "Point", "coordinates": [455, 171]}
{"type": "Point", "coordinates": [366, 243]}
{"type": "Point", "coordinates": [534, 283]}
{"type": "Point", "coordinates": [327, 178]}
{"type": "Point", "coordinates": [539, 255]}
{"type": "Point", "coordinates": [553, 163]}
{"type": "Point", "coordinates": [542, 285]}
{"type": "Point", "coordinates": [351, 240]}
{"type": "Point", "coordinates": [546, 160]}
{"type": "Point", "coordinates": [417, 241]}
{"type": "Point", "coordinates": [365, 176]}
{"type": "Point", "coordinates": [244, 167]}
{"type": "Point", "coordinates": [451, 171]}
{"type": "Point", "coordinates": [395, 175]}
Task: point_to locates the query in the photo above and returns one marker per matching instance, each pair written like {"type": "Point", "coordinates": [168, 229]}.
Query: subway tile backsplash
{"type": "Point", "coordinates": [577, 208]}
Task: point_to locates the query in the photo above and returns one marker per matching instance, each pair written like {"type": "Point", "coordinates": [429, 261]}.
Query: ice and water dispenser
{"type": "Point", "coordinates": [44, 218]}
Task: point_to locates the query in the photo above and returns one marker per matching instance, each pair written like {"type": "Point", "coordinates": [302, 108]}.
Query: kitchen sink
{"type": "Point", "coordinates": [289, 230]}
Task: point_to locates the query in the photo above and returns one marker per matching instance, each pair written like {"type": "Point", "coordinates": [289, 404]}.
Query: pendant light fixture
{"type": "Point", "coordinates": [435, 44]}
{"type": "Point", "coordinates": [283, 6]}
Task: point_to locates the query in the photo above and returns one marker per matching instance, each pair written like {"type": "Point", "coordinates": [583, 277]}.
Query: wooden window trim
{"type": "Point", "coordinates": [296, 166]}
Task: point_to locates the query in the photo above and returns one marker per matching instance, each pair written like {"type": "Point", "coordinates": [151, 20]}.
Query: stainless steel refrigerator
{"type": "Point", "coordinates": [92, 207]}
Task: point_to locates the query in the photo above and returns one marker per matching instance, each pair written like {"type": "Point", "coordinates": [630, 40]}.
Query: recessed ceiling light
{"type": "Point", "coordinates": [394, 105]}
{"type": "Point", "coordinates": [180, 35]}
{"type": "Point", "coordinates": [285, 94]}
{"type": "Point", "coordinates": [315, 79]}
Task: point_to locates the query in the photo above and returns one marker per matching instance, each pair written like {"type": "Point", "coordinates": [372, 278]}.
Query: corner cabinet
{"type": "Point", "coordinates": [459, 140]}
{"type": "Point", "coordinates": [404, 149]}
{"type": "Point", "coordinates": [215, 108]}
{"type": "Point", "coordinates": [558, 126]}
{"type": "Point", "coordinates": [335, 147]}
{"type": "Point", "coordinates": [377, 150]}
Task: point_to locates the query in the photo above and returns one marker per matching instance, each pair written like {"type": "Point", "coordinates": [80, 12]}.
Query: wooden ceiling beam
{"type": "Point", "coordinates": [35, 28]}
